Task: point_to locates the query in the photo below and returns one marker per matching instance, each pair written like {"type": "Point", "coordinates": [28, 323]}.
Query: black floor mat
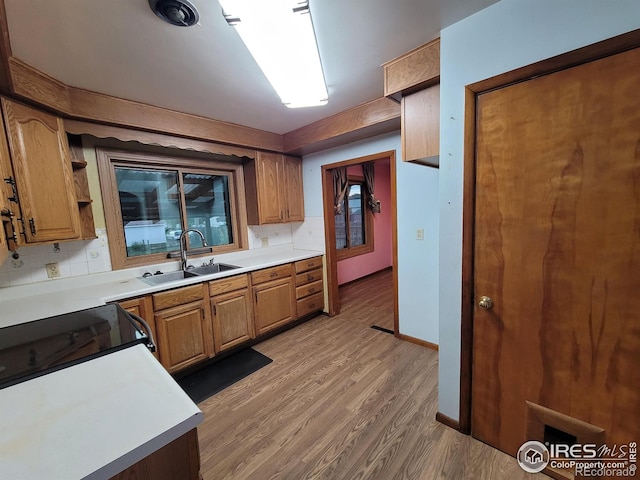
{"type": "Point", "coordinates": [210, 380]}
{"type": "Point", "coordinates": [382, 329]}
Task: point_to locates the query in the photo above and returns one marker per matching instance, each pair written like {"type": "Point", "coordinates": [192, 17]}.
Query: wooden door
{"type": "Point", "coordinates": [269, 179]}
{"type": "Point", "coordinates": [292, 189]}
{"type": "Point", "coordinates": [183, 336]}
{"type": "Point", "coordinates": [557, 249]}
{"type": "Point", "coordinates": [43, 173]}
{"type": "Point", "coordinates": [232, 319]}
{"type": "Point", "coordinates": [275, 304]}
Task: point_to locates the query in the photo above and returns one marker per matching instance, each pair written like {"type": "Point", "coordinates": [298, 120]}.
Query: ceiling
{"type": "Point", "coordinates": [120, 48]}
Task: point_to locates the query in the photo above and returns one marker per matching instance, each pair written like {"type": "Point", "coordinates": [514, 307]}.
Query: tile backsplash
{"type": "Point", "coordinates": [85, 257]}
{"type": "Point", "coordinates": [74, 259]}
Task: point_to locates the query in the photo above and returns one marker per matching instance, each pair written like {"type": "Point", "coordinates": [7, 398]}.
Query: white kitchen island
{"type": "Point", "coordinates": [92, 420]}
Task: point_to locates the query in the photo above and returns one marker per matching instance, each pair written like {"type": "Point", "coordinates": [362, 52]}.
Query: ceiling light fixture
{"type": "Point", "coordinates": [279, 34]}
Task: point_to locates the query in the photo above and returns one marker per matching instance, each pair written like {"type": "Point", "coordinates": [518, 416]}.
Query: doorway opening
{"type": "Point", "coordinates": [373, 240]}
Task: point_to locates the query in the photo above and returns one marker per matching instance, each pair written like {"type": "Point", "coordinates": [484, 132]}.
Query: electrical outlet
{"type": "Point", "coordinates": [53, 271]}
{"type": "Point", "coordinates": [420, 234]}
{"type": "Point", "coordinates": [265, 242]}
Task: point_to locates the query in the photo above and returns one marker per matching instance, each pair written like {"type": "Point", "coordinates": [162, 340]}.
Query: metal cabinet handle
{"type": "Point", "coordinates": [151, 344]}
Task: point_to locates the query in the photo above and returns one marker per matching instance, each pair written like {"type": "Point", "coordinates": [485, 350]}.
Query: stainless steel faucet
{"type": "Point", "coordinates": [183, 245]}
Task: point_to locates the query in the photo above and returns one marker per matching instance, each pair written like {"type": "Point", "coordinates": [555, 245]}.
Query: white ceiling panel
{"type": "Point", "coordinates": [121, 48]}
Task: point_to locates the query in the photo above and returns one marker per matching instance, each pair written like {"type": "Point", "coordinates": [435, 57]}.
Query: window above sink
{"type": "Point", "coordinates": [150, 200]}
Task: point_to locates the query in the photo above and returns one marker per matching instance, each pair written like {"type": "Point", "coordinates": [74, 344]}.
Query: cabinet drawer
{"type": "Point", "coordinates": [308, 277]}
{"type": "Point", "coordinates": [305, 290]}
{"type": "Point", "coordinates": [310, 304]}
{"type": "Point", "coordinates": [228, 284]}
{"type": "Point", "coordinates": [179, 296]}
{"type": "Point", "coordinates": [308, 264]}
{"type": "Point", "coordinates": [272, 273]}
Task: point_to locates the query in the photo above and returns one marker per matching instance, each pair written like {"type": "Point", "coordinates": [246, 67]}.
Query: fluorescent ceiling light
{"type": "Point", "coordinates": [279, 34]}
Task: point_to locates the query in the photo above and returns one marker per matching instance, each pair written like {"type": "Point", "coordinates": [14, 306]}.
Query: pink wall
{"type": "Point", "coordinates": [381, 258]}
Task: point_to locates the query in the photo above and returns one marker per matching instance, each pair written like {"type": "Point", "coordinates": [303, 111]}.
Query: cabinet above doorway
{"type": "Point", "coordinates": [413, 79]}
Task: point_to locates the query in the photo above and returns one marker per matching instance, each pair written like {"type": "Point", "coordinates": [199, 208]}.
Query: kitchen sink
{"type": "Point", "coordinates": [189, 273]}
{"type": "Point", "coordinates": [168, 277]}
{"type": "Point", "coordinates": [212, 268]}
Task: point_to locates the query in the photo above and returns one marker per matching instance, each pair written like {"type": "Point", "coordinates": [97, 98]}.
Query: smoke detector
{"type": "Point", "coordinates": [176, 12]}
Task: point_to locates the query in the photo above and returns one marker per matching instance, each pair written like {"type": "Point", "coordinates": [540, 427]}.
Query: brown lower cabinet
{"type": "Point", "coordinates": [183, 324]}
{"type": "Point", "coordinates": [232, 310]}
{"type": "Point", "coordinates": [274, 297]}
{"type": "Point", "coordinates": [178, 460]}
{"type": "Point", "coordinates": [191, 324]}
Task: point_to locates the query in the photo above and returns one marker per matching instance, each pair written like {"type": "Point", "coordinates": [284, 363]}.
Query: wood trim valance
{"type": "Point", "coordinates": [158, 139]}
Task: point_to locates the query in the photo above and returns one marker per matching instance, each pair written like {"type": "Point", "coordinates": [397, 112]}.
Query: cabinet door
{"type": "Point", "coordinates": [143, 308]}
{"type": "Point", "coordinates": [43, 174]}
{"type": "Point", "coordinates": [232, 319]}
{"type": "Point", "coordinates": [269, 179]}
{"type": "Point", "coordinates": [9, 211]}
{"type": "Point", "coordinates": [6, 209]}
{"type": "Point", "coordinates": [293, 189]}
{"type": "Point", "coordinates": [275, 304]}
{"type": "Point", "coordinates": [184, 335]}
{"type": "Point", "coordinates": [421, 126]}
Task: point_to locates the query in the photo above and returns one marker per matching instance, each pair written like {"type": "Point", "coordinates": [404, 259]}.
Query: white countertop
{"type": "Point", "coordinates": [47, 299]}
{"type": "Point", "coordinates": [94, 419]}
{"type": "Point", "coordinates": [91, 420]}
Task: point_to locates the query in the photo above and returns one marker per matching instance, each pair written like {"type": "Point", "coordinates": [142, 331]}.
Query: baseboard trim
{"type": "Point", "coordinates": [448, 421]}
{"type": "Point", "coordinates": [418, 341]}
{"type": "Point", "coordinates": [365, 276]}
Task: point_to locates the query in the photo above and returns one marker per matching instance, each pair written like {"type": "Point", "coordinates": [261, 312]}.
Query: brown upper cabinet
{"type": "Point", "coordinates": [43, 175]}
{"type": "Point", "coordinates": [273, 184]}
{"type": "Point", "coordinates": [7, 210]}
{"type": "Point", "coordinates": [414, 80]}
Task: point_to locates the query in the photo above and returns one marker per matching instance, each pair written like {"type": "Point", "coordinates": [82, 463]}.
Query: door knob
{"type": "Point", "coordinates": [485, 303]}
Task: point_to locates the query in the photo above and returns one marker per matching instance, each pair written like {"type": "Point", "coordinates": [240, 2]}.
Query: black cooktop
{"type": "Point", "coordinates": [31, 349]}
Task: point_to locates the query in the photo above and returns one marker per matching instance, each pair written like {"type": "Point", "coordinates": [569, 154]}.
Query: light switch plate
{"type": "Point", "coordinates": [420, 234]}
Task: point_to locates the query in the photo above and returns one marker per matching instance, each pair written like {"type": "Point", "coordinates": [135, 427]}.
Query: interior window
{"type": "Point", "coordinates": [354, 226]}
{"type": "Point", "coordinates": [158, 198]}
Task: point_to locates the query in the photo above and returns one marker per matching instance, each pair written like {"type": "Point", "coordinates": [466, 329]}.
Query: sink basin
{"type": "Point", "coordinates": [210, 269]}
{"type": "Point", "coordinates": [168, 277]}
{"type": "Point", "coordinates": [190, 273]}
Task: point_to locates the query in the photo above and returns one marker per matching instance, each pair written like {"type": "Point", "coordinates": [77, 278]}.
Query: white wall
{"type": "Point", "coordinates": [417, 190]}
{"type": "Point", "coordinates": [503, 37]}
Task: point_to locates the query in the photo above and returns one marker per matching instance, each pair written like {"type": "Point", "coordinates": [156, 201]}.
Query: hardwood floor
{"type": "Point", "coordinates": [341, 401]}
{"type": "Point", "coordinates": [377, 289]}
